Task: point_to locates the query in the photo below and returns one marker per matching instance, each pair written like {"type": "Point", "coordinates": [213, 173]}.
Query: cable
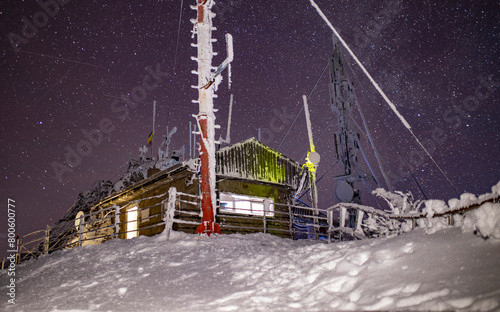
{"type": "Point", "coordinates": [329, 123]}
{"type": "Point", "coordinates": [390, 137]}
{"type": "Point", "coordinates": [435, 163]}
{"type": "Point", "coordinates": [367, 187]}
{"type": "Point", "coordinates": [302, 107]}
{"type": "Point", "coordinates": [306, 191]}
{"type": "Point", "coordinates": [377, 87]}
{"type": "Point", "coordinates": [319, 136]}
{"type": "Point", "coordinates": [63, 59]}
{"type": "Point", "coordinates": [178, 35]}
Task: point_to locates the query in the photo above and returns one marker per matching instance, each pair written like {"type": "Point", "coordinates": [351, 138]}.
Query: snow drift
{"type": "Point", "coordinates": [436, 267]}
{"type": "Point", "coordinates": [447, 270]}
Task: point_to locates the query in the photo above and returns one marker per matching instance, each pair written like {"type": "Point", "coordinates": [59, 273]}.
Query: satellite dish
{"type": "Point", "coordinates": [78, 219]}
{"type": "Point", "coordinates": [344, 192]}
{"type": "Point", "coordinates": [314, 158]}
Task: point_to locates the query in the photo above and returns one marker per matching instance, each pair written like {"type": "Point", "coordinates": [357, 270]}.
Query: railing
{"type": "Point", "coordinates": [175, 208]}
{"type": "Point", "coordinates": [274, 218]}
{"type": "Point", "coordinates": [183, 209]}
{"type": "Point", "coordinates": [29, 245]}
{"type": "Point", "coordinates": [358, 227]}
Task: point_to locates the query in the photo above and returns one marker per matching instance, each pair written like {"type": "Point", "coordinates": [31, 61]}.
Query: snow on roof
{"type": "Point", "coordinates": [252, 160]}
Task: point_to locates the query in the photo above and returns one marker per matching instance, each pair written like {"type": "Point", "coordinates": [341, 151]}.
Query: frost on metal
{"type": "Point", "coordinates": [399, 202]}
{"type": "Point", "coordinates": [208, 82]}
{"type": "Point", "coordinates": [253, 160]}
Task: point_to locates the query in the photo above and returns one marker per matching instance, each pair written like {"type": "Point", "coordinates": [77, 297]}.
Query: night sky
{"type": "Point", "coordinates": [436, 60]}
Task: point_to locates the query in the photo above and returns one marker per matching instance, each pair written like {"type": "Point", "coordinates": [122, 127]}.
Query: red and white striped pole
{"type": "Point", "coordinates": [206, 118]}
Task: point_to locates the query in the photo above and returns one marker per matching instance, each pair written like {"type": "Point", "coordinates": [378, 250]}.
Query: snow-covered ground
{"type": "Point", "coordinates": [447, 270]}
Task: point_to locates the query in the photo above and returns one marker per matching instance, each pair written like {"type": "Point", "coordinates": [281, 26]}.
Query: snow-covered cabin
{"type": "Point", "coordinates": [254, 192]}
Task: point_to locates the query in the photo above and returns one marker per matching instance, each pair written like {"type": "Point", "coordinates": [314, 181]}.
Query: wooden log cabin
{"type": "Point", "coordinates": [254, 192]}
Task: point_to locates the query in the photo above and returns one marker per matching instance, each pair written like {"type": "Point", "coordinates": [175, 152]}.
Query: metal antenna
{"type": "Point", "coordinates": [228, 134]}
{"type": "Point", "coordinates": [312, 161]}
{"type": "Point", "coordinates": [208, 82]}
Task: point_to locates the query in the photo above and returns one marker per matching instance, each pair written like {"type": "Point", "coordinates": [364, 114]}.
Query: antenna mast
{"type": "Point", "coordinates": [207, 84]}
{"type": "Point", "coordinates": [346, 143]}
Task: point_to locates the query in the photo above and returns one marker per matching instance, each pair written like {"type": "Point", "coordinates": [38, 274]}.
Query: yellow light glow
{"type": "Point", "coordinates": [132, 223]}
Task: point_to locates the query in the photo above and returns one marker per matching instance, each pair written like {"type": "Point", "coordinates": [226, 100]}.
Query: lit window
{"type": "Point", "coordinates": [132, 223]}
{"type": "Point", "coordinates": [248, 205]}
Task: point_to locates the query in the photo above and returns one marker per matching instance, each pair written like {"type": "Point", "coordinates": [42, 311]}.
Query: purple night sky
{"type": "Point", "coordinates": [436, 60]}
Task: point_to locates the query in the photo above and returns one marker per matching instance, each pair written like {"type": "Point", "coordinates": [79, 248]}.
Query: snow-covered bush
{"type": "Point", "coordinates": [485, 220]}
{"type": "Point", "coordinates": [466, 199]}
{"type": "Point", "coordinates": [434, 206]}
{"type": "Point", "coordinates": [463, 212]}
{"type": "Point", "coordinates": [399, 202]}
{"type": "Point", "coordinates": [495, 189]}
{"type": "Point", "coordinates": [433, 223]}
{"type": "Point", "coordinates": [376, 225]}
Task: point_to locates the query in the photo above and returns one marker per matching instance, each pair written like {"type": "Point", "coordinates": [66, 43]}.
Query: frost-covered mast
{"type": "Point", "coordinates": [207, 84]}
{"type": "Point", "coordinates": [346, 143]}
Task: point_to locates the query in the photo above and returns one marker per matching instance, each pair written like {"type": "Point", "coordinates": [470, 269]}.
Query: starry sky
{"type": "Point", "coordinates": [64, 71]}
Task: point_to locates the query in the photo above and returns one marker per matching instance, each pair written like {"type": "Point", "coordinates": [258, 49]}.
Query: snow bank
{"type": "Point", "coordinates": [447, 270]}
{"type": "Point", "coordinates": [496, 188]}
{"type": "Point", "coordinates": [434, 206]}
{"type": "Point", "coordinates": [466, 199]}
{"type": "Point", "coordinates": [485, 220]}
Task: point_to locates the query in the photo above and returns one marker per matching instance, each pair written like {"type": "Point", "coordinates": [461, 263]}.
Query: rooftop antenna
{"type": "Point", "coordinates": [150, 139]}
{"type": "Point", "coordinates": [190, 141]}
{"type": "Point", "coordinates": [168, 138]}
{"type": "Point", "coordinates": [208, 82]}
{"type": "Point", "coordinates": [228, 134]}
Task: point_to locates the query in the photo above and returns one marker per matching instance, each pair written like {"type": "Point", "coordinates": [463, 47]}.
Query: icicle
{"type": "Point", "coordinates": [190, 142]}
{"type": "Point", "coordinates": [229, 76]}
{"type": "Point", "coordinates": [230, 55]}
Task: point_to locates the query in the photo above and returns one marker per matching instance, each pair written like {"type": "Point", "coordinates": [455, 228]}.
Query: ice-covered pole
{"type": "Point", "coordinates": [206, 118]}
{"type": "Point", "coordinates": [308, 123]}
{"type": "Point", "coordinates": [153, 130]}
{"type": "Point", "coordinates": [312, 161]}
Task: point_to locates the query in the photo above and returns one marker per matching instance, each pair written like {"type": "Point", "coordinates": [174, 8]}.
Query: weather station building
{"type": "Point", "coordinates": [254, 190]}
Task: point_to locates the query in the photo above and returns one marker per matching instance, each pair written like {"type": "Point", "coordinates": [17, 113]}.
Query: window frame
{"type": "Point", "coordinates": [239, 204]}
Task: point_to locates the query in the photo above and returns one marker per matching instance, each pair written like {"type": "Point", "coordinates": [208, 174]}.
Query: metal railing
{"type": "Point", "coordinates": [281, 219]}
{"type": "Point", "coordinates": [173, 208]}
{"type": "Point", "coordinates": [359, 214]}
